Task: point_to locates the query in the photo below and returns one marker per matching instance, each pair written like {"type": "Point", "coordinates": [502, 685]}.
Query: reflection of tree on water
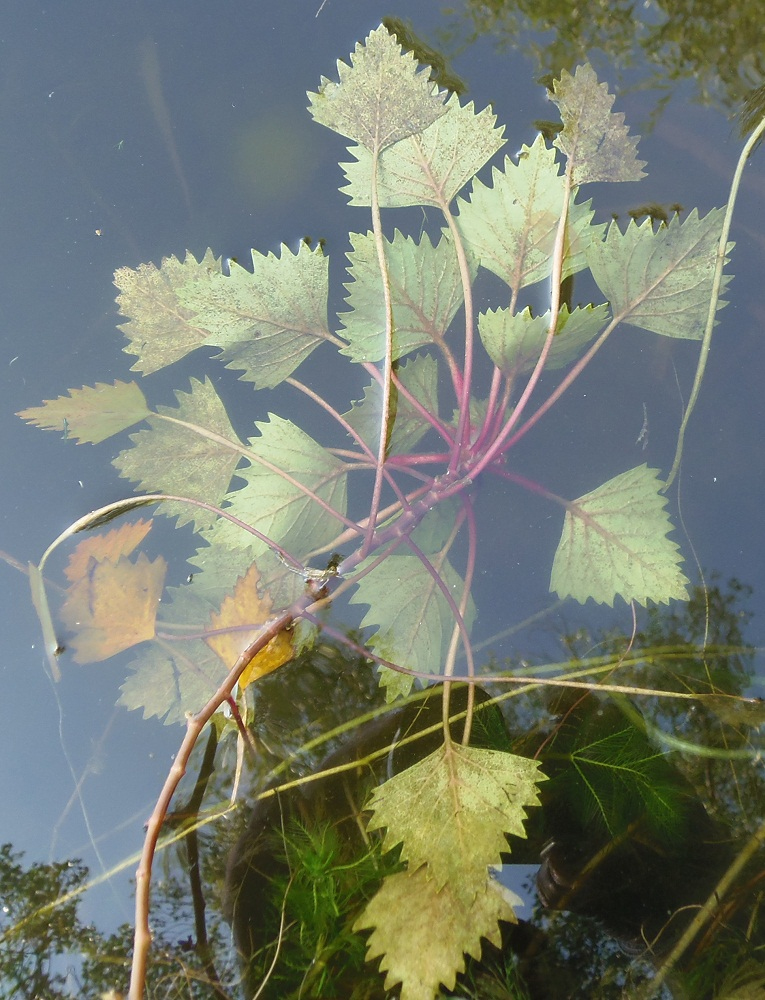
{"type": "Point", "coordinates": [647, 804]}
{"type": "Point", "coordinates": [718, 44]}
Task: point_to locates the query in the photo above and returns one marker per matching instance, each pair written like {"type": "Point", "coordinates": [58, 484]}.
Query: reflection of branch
{"type": "Point", "coordinates": [191, 809]}
{"type": "Point", "coordinates": [755, 843]}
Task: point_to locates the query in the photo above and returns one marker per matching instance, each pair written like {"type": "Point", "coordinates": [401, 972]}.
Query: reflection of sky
{"type": "Point", "coordinates": [85, 150]}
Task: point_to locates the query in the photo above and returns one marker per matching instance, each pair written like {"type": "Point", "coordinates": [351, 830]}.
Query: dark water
{"type": "Point", "coordinates": [134, 132]}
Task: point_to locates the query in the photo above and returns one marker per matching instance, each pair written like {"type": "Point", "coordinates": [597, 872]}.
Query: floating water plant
{"type": "Point", "coordinates": [287, 524]}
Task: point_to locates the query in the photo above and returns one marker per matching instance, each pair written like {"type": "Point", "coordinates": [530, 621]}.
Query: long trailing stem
{"type": "Point", "coordinates": [706, 343]}
{"type": "Point", "coordinates": [194, 726]}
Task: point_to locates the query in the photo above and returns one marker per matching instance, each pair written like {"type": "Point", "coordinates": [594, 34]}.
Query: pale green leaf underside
{"type": "Point", "coordinates": [511, 225]}
{"type": "Point", "coordinates": [514, 341]}
{"type": "Point", "coordinates": [423, 934]}
{"type": "Point", "coordinates": [93, 413]}
{"type": "Point", "coordinates": [278, 507]}
{"type": "Point", "coordinates": [419, 375]}
{"type": "Point", "coordinates": [266, 321]}
{"type": "Point", "coordinates": [381, 98]}
{"type": "Point", "coordinates": [425, 286]}
{"type": "Point", "coordinates": [160, 330]}
{"type": "Point", "coordinates": [413, 618]}
{"type": "Point", "coordinates": [660, 281]}
{"type": "Point", "coordinates": [168, 680]}
{"type": "Point", "coordinates": [219, 566]}
{"type": "Point", "coordinates": [594, 137]}
{"type": "Point", "coordinates": [194, 461]}
{"type": "Point", "coordinates": [429, 168]}
{"type": "Point", "coordinates": [436, 528]}
{"type": "Point", "coordinates": [452, 811]}
{"type": "Point", "coordinates": [614, 543]}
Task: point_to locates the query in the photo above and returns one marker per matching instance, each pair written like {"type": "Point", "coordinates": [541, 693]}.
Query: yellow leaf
{"type": "Point", "coordinates": [278, 652]}
{"type": "Point", "coordinates": [113, 606]}
{"type": "Point", "coordinates": [246, 607]}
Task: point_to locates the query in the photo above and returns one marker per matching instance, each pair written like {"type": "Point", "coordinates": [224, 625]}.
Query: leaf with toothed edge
{"type": "Point", "coordinates": [189, 450]}
{"type": "Point", "coordinates": [451, 813]}
{"type": "Point", "coordinates": [514, 341]}
{"type": "Point", "coordinates": [418, 375]}
{"type": "Point", "coordinates": [511, 225]}
{"type": "Point", "coordinates": [381, 98]}
{"type": "Point", "coordinates": [266, 321]}
{"type": "Point", "coordinates": [413, 618]}
{"type": "Point", "coordinates": [426, 288]}
{"type": "Point", "coordinates": [160, 330]}
{"type": "Point", "coordinates": [661, 280]}
{"type": "Point", "coordinates": [614, 543]}
{"type": "Point", "coordinates": [272, 500]}
{"type": "Point", "coordinates": [91, 414]}
{"type": "Point", "coordinates": [429, 168]}
{"type": "Point", "coordinates": [594, 138]}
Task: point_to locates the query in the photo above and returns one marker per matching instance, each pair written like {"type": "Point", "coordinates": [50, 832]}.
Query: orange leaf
{"type": "Point", "coordinates": [113, 606]}
{"type": "Point", "coordinates": [115, 543]}
{"type": "Point", "coordinates": [246, 607]}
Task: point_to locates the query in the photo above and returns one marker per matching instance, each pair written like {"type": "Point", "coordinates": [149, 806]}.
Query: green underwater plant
{"type": "Point", "coordinates": [384, 513]}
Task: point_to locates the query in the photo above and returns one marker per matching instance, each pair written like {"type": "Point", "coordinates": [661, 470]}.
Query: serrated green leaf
{"type": "Point", "coordinates": [614, 543]}
{"type": "Point", "coordinates": [160, 330]}
{"type": "Point", "coordinates": [452, 810]}
{"type": "Point", "coordinates": [660, 280]}
{"type": "Point", "coordinates": [91, 413]}
{"type": "Point", "coordinates": [594, 138]}
{"type": "Point", "coordinates": [413, 618]}
{"type": "Point", "coordinates": [168, 680]}
{"type": "Point", "coordinates": [177, 459]}
{"type": "Point", "coordinates": [429, 168]}
{"type": "Point", "coordinates": [216, 570]}
{"type": "Point", "coordinates": [423, 934]}
{"type": "Point", "coordinates": [220, 565]}
{"type": "Point", "coordinates": [426, 289]}
{"type": "Point", "coordinates": [381, 98]}
{"type": "Point", "coordinates": [514, 341]}
{"type": "Point", "coordinates": [276, 506]}
{"type": "Point", "coordinates": [420, 376]}
{"type": "Point", "coordinates": [266, 321]}
{"type": "Point", "coordinates": [511, 225]}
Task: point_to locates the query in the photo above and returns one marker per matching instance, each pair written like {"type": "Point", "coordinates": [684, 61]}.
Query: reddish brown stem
{"type": "Point", "coordinates": [194, 726]}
